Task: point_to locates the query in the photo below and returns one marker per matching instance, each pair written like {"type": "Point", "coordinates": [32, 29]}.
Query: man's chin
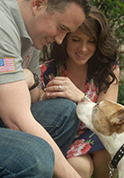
{"type": "Point", "coordinates": [39, 47]}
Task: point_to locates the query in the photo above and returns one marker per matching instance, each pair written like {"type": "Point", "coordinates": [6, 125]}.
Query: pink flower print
{"type": "Point", "coordinates": [77, 142]}
{"type": "Point", "coordinates": [51, 76]}
{"type": "Point", "coordinates": [91, 90]}
{"type": "Point", "coordinates": [80, 132]}
{"type": "Point", "coordinates": [61, 69]}
{"type": "Point", "coordinates": [78, 148]}
{"type": "Point", "coordinates": [42, 81]}
{"type": "Point", "coordinates": [46, 62]}
{"type": "Point", "coordinates": [93, 96]}
{"type": "Point", "coordinates": [115, 67]}
{"type": "Point", "coordinates": [86, 88]}
{"type": "Point", "coordinates": [64, 73]}
{"type": "Point", "coordinates": [43, 68]}
{"type": "Point", "coordinates": [81, 126]}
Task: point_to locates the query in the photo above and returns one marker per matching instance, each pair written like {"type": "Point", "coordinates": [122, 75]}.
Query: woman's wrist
{"type": "Point", "coordinates": [83, 97]}
{"type": "Point", "coordinates": [42, 96]}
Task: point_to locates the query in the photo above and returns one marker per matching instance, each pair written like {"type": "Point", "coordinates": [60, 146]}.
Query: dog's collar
{"type": "Point", "coordinates": [117, 157]}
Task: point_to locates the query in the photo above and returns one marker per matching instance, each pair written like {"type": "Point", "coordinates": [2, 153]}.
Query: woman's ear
{"type": "Point", "coordinates": [37, 4]}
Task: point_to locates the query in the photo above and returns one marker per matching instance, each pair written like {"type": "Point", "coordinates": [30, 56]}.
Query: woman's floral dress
{"type": "Point", "coordinates": [85, 140]}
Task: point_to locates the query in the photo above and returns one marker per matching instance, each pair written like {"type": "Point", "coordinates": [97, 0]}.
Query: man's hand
{"type": "Point", "coordinates": [29, 77]}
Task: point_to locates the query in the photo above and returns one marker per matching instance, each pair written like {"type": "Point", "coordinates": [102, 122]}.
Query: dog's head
{"type": "Point", "coordinates": [106, 117]}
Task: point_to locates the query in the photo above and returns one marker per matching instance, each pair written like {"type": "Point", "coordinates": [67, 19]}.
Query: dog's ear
{"type": "Point", "coordinates": [117, 118]}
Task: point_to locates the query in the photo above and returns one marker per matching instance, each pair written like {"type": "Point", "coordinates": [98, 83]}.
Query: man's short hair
{"type": "Point", "coordinates": [60, 5]}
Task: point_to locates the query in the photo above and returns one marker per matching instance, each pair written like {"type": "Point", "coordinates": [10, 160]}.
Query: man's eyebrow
{"type": "Point", "coordinates": [65, 27]}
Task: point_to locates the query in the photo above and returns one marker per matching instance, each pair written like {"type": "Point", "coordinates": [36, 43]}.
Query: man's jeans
{"type": "Point", "coordinates": [58, 117]}
{"type": "Point", "coordinates": [24, 156]}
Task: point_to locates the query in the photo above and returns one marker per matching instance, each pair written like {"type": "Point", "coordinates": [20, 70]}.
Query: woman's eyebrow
{"type": "Point", "coordinates": [74, 36]}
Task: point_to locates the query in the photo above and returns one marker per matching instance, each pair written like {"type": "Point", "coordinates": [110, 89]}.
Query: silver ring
{"type": "Point", "coordinates": [60, 87]}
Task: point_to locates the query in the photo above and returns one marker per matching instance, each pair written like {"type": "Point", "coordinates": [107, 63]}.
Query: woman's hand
{"type": "Point", "coordinates": [63, 87]}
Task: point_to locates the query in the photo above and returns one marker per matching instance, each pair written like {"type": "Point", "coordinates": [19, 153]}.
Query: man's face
{"type": "Point", "coordinates": [47, 28]}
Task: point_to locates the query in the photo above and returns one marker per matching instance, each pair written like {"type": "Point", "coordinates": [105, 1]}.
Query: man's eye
{"type": "Point", "coordinates": [63, 29]}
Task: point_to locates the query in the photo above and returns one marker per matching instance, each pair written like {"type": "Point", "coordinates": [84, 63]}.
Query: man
{"type": "Point", "coordinates": [25, 27]}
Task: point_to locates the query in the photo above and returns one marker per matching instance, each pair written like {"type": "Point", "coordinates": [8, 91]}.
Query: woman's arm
{"type": "Point", "coordinates": [70, 91]}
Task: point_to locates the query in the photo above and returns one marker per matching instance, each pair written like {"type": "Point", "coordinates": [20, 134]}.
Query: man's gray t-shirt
{"type": "Point", "coordinates": [16, 50]}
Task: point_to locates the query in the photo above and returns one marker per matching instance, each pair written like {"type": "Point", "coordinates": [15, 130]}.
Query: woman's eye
{"type": "Point", "coordinates": [92, 41]}
{"type": "Point", "coordinates": [75, 40]}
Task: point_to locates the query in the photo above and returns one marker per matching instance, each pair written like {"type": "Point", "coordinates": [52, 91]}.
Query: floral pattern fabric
{"type": "Point", "coordinates": [85, 140]}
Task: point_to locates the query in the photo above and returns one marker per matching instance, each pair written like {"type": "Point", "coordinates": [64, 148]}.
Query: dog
{"type": "Point", "coordinates": [106, 120]}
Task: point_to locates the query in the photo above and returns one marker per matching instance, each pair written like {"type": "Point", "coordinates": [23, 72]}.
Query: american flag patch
{"type": "Point", "coordinates": [7, 65]}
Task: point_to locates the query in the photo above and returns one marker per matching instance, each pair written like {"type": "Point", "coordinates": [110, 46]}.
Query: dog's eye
{"type": "Point", "coordinates": [97, 104]}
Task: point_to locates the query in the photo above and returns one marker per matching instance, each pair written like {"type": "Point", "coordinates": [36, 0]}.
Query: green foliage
{"type": "Point", "coordinates": [114, 11]}
{"type": "Point", "coordinates": [121, 94]}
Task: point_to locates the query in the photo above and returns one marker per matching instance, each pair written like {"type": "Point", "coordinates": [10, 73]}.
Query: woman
{"type": "Point", "coordinates": [85, 63]}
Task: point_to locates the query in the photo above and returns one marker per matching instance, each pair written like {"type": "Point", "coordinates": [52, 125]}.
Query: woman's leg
{"type": "Point", "coordinates": [101, 160]}
{"type": "Point", "coordinates": [83, 165]}
{"type": "Point", "coordinates": [24, 155]}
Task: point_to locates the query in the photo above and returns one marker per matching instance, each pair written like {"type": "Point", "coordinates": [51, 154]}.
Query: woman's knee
{"type": "Point", "coordinates": [101, 157]}
{"type": "Point", "coordinates": [83, 165]}
{"type": "Point", "coordinates": [101, 160]}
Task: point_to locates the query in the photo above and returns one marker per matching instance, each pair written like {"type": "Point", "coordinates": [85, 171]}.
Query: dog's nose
{"type": "Point", "coordinates": [96, 105]}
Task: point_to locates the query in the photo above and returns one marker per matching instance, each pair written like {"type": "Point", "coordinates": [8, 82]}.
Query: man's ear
{"type": "Point", "coordinates": [37, 4]}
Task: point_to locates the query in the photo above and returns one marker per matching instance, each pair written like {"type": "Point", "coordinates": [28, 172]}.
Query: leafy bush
{"type": "Point", "coordinates": [114, 11]}
{"type": "Point", "coordinates": [121, 94]}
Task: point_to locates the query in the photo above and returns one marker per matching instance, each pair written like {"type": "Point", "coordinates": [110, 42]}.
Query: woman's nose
{"type": "Point", "coordinates": [83, 47]}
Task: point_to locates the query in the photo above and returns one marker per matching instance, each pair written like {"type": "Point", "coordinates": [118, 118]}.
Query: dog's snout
{"type": "Point", "coordinates": [97, 104]}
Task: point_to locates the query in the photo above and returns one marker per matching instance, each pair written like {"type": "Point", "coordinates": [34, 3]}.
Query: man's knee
{"type": "Point", "coordinates": [25, 155]}
{"type": "Point", "coordinates": [43, 159]}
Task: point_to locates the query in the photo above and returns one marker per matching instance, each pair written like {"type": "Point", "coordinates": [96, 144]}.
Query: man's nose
{"type": "Point", "coordinates": [59, 38]}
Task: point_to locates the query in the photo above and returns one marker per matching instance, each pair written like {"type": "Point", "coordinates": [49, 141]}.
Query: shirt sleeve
{"type": "Point", "coordinates": [34, 64]}
{"type": "Point", "coordinates": [10, 52]}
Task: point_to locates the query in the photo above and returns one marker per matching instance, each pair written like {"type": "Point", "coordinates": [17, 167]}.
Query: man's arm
{"type": "Point", "coordinates": [15, 113]}
{"type": "Point", "coordinates": [36, 92]}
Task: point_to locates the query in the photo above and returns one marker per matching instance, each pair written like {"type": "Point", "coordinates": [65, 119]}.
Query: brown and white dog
{"type": "Point", "coordinates": [106, 119]}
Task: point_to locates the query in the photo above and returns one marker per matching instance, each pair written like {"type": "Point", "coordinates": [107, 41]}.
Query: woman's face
{"type": "Point", "coordinates": [80, 47]}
